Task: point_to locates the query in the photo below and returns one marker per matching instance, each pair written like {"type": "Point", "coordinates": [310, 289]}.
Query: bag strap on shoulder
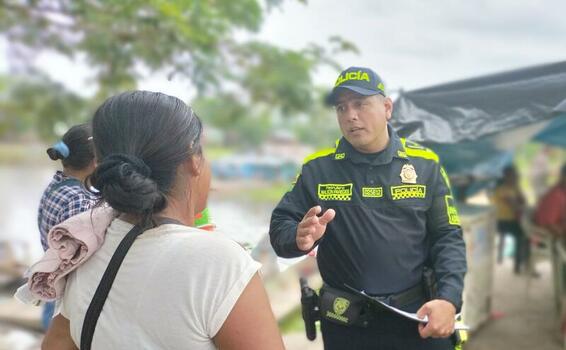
{"type": "Point", "coordinates": [99, 298]}
{"type": "Point", "coordinates": [101, 293]}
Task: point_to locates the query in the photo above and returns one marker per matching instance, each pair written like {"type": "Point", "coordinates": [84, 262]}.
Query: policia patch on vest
{"type": "Point", "coordinates": [408, 192]}
{"type": "Point", "coordinates": [335, 192]}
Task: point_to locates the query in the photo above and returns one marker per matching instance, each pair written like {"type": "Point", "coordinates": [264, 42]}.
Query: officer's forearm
{"type": "Point", "coordinates": [449, 259]}
{"type": "Point", "coordinates": [452, 294]}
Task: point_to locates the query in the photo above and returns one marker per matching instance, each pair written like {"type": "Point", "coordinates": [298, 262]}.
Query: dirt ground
{"type": "Point", "coordinates": [528, 317]}
{"type": "Point", "coordinates": [523, 318]}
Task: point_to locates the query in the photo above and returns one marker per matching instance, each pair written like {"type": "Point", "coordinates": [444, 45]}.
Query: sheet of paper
{"type": "Point", "coordinates": [413, 316]}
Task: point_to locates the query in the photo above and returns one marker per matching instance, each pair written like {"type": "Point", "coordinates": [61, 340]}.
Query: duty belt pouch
{"type": "Point", "coordinates": [429, 283]}
{"type": "Point", "coordinates": [343, 308]}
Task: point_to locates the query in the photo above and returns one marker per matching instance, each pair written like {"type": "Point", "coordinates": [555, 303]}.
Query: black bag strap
{"type": "Point", "coordinates": [101, 293]}
{"type": "Point", "coordinates": [99, 298]}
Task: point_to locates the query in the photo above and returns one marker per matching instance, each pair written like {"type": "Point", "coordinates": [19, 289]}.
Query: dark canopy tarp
{"type": "Point", "coordinates": [475, 124]}
{"type": "Point", "coordinates": [469, 109]}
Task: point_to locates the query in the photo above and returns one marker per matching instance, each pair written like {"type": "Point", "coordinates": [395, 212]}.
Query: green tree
{"type": "Point", "coordinates": [193, 38]}
{"type": "Point", "coordinates": [38, 105]}
{"type": "Point", "coordinates": [242, 125]}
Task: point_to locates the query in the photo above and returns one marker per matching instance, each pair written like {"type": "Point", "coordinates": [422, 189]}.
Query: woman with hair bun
{"type": "Point", "coordinates": [66, 195]}
{"type": "Point", "coordinates": [157, 282]}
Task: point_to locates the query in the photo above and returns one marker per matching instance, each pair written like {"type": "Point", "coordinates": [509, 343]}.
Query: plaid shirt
{"type": "Point", "coordinates": [59, 204]}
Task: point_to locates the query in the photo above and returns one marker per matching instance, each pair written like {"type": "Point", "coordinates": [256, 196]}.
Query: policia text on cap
{"type": "Point", "coordinates": [380, 210]}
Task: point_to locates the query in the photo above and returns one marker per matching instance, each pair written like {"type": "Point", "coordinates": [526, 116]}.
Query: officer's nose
{"type": "Point", "coordinates": [351, 114]}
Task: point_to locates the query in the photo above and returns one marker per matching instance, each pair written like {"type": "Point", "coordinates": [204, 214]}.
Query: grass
{"type": "Point", "coordinates": [271, 193]}
{"type": "Point", "coordinates": [292, 323]}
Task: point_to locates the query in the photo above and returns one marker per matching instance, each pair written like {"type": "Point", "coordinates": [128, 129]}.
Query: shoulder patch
{"type": "Point", "coordinates": [413, 145]}
{"type": "Point", "coordinates": [414, 149]}
{"type": "Point", "coordinates": [319, 154]}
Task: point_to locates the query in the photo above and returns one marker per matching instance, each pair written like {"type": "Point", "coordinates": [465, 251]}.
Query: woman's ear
{"type": "Point", "coordinates": [195, 165]}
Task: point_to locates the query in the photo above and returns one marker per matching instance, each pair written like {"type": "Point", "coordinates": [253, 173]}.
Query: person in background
{"type": "Point", "coordinates": [66, 194]}
{"type": "Point", "coordinates": [177, 287]}
{"type": "Point", "coordinates": [510, 204]}
{"type": "Point", "coordinates": [540, 171]}
{"type": "Point", "coordinates": [551, 209]}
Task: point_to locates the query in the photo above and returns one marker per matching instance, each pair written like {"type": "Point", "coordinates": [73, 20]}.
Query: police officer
{"type": "Point", "coordinates": [380, 210]}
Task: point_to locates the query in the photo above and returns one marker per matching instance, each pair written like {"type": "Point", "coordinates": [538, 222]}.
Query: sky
{"type": "Point", "coordinates": [409, 43]}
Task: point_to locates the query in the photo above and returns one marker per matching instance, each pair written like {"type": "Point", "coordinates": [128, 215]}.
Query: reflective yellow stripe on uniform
{"type": "Point", "coordinates": [420, 152]}
{"type": "Point", "coordinates": [445, 177]}
{"type": "Point", "coordinates": [321, 153]}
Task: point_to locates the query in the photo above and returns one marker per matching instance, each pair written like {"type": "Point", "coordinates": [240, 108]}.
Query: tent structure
{"type": "Point", "coordinates": [475, 124]}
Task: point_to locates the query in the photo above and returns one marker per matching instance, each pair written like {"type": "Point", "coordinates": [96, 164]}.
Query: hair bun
{"type": "Point", "coordinates": [127, 164]}
{"type": "Point", "coordinates": [124, 181]}
{"type": "Point", "coordinates": [53, 154]}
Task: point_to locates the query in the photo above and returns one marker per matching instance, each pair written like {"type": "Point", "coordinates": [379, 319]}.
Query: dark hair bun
{"type": "Point", "coordinates": [126, 185]}
{"type": "Point", "coordinates": [54, 154]}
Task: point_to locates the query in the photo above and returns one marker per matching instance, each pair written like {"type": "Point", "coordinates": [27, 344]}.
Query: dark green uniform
{"type": "Point", "coordinates": [394, 214]}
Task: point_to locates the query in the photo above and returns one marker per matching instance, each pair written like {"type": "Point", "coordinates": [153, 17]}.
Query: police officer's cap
{"type": "Point", "coordinates": [361, 80]}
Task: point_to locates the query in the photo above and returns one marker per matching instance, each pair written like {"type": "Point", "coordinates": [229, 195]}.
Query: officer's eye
{"type": "Point", "coordinates": [340, 108]}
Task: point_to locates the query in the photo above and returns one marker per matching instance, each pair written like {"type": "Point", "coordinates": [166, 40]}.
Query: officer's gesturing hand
{"type": "Point", "coordinates": [312, 227]}
{"type": "Point", "coordinates": [441, 318]}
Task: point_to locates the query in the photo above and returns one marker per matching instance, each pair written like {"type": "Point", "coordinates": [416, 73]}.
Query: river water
{"type": "Point", "coordinates": [21, 188]}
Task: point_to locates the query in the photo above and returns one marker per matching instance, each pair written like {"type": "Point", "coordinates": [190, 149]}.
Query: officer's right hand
{"type": "Point", "coordinates": [312, 227]}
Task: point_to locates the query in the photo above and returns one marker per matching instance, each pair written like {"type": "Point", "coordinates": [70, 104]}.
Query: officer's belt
{"type": "Point", "coordinates": [348, 308]}
{"type": "Point", "coordinates": [405, 297]}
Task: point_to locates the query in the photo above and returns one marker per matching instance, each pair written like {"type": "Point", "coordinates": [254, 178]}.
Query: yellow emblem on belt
{"type": "Point", "coordinates": [341, 305]}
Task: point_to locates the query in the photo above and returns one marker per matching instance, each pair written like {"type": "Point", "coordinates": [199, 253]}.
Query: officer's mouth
{"type": "Point", "coordinates": [356, 130]}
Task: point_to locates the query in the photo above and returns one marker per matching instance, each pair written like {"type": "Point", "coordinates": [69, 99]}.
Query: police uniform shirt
{"type": "Point", "coordinates": [394, 213]}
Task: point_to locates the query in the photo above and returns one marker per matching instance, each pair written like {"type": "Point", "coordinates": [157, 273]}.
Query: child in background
{"type": "Point", "coordinates": [66, 194]}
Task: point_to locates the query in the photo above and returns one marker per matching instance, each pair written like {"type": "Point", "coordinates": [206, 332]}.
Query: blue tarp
{"type": "Point", "coordinates": [555, 133]}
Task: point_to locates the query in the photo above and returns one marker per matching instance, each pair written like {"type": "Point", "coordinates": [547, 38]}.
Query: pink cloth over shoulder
{"type": "Point", "coordinates": [70, 243]}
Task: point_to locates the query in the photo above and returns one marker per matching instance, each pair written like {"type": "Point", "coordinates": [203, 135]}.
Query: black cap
{"type": "Point", "coordinates": [363, 81]}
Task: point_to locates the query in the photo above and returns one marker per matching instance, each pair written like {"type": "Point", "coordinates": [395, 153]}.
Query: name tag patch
{"type": "Point", "coordinates": [335, 192]}
{"type": "Point", "coordinates": [408, 192]}
{"type": "Point", "coordinates": [372, 192]}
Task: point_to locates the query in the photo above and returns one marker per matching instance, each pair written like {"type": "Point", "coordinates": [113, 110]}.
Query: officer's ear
{"type": "Point", "coordinates": [388, 103]}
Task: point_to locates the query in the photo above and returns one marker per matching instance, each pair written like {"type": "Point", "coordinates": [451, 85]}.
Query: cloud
{"type": "Point", "coordinates": [415, 43]}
